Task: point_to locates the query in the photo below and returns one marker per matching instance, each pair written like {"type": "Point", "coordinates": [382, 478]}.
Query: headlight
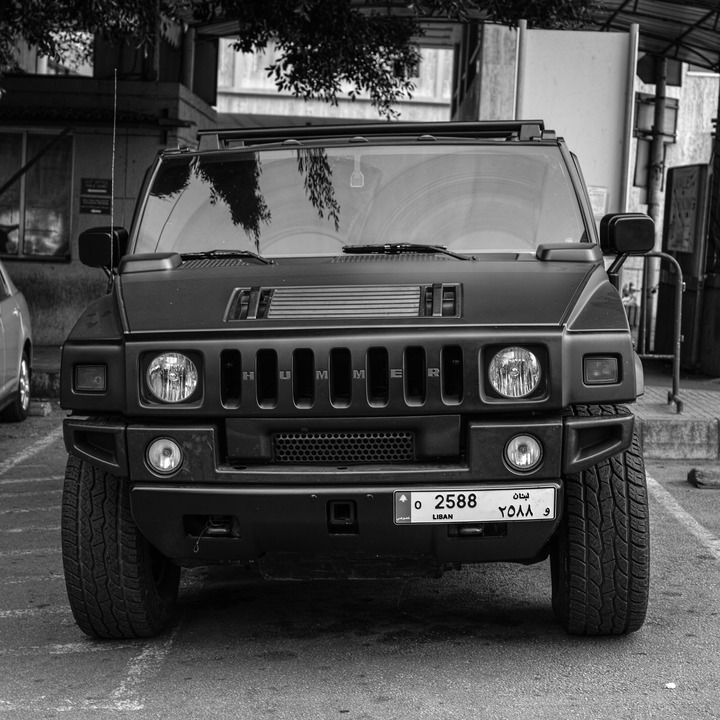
{"type": "Point", "coordinates": [171, 377]}
{"type": "Point", "coordinates": [514, 372]}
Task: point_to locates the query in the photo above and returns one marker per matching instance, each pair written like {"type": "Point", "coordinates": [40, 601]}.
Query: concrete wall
{"type": "Point", "coordinates": [496, 92]}
{"type": "Point", "coordinates": [166, 114]}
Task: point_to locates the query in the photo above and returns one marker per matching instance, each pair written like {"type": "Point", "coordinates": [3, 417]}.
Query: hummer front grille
{"type": "Point", "coordinates": [342, 377]}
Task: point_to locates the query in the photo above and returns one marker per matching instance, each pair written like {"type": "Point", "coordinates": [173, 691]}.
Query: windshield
{"type": "Point", "coordinates": [315, 201]}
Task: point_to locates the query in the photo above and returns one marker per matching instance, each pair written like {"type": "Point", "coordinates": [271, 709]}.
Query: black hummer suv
{"type": "Point", "coordinates": [356, 351]}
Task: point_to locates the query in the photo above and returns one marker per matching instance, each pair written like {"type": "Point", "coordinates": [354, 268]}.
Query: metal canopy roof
{"type": "Point", "coordinates": [685, 31]}
{"type": "Point", "coordinates": [679, 30]}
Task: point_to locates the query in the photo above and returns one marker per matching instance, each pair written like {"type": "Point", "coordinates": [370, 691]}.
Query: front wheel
{"type": "Point", "coordinates": [18, 410]}
{"type": "Point", "coordinates": [600, 558]}
{"type": "Point", "coordinates": [118, 585]}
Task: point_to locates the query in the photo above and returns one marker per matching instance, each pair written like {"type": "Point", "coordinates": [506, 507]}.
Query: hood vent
{"type": "Point", "coordinates": [249, 304]}
{"type": "Point", "coordinates": [442, 300]}
{"type": "Point", "coordinates": [342, 301]}
{"type": "Point", "coordinates": [212, 263]}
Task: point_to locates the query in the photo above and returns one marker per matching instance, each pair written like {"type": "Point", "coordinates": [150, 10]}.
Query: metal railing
{"type": "Point", "coordinates": [673, 395]}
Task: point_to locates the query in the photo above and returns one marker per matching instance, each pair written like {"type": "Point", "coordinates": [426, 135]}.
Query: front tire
{"type": "Point", "coordinates": [18, 410]}
{"type": "Point", "coordinates": [118, 585]}
{"type": "Point", "coordinates": [600, 558]}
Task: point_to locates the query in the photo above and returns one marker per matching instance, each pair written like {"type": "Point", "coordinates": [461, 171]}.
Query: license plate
{"type": "Point", "coordinates": [474, 506]}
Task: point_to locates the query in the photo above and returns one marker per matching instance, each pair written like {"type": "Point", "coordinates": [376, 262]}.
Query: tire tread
{"type": "Point", "coordinates": [107, 561]}
{"type": "Point", "coordinates": [601, 558]}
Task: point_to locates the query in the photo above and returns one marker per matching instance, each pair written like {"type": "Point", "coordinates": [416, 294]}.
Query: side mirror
{"type": "Point", "coordinates": [627, 234]}
{"type": "Point", "coordinates": [102, 246]}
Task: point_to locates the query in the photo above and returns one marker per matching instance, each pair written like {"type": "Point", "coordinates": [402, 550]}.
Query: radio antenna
{"type": "Point", "coordinates": [112, 184]}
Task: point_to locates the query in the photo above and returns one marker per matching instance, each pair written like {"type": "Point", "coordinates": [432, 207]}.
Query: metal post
{"type": "Point", "coordinates": [656, 169]}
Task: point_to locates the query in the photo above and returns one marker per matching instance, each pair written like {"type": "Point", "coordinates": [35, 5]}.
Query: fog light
{"type": "Point", "coordinates": [164, 456]}
{"type": "Point", "coordinates": [523, 453]}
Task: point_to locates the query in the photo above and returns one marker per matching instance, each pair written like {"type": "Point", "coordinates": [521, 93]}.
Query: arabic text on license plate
{"type": "Point", "coordinates": [473, 506]}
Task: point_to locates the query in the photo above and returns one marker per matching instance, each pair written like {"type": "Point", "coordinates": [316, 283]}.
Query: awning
{"type": "Point", "coordinates": [685, 31]}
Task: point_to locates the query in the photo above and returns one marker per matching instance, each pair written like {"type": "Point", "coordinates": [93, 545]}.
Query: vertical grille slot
{"type": "Point", "coordinates": [303, 378]}
{"type": "Point", "coordinates": [451, 363]}
{"type": "Point", "coordinates": [266, 374]}
{"type": "Point", "coordinates": [230, 378]}
{"type": "Point", "coordinates": [378, 376]}
{"type": "Point", "coordinates": [415, 374]}
{"type": "Point", "coordinates": [340, 377]}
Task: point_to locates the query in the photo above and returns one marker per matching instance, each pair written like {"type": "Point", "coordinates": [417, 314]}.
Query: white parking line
{"type": "Point", "coordinates": [141, 668]}
{"type": "Point", "coordinates": [31, 450]}
{"type": "Point", "coordinates": [29, 494]}
{"type": "Point", "coordinates": [18, 531]}
{"type": "Point", "coordinates": [702, 534]}
{"type": "Point", "coordinates": [33, 612]}
{"type": "Point", "coordinates": [33, 551]}
{"type": "Point", "coordinates": [77, 648]}
{"type": "Point", "coordinates": [20, 511]}
{"type": "Point", "coordinates": [145, 666]}
{"type": "Point", "coordinates": [22, 579]}
{"type": "Point", "coordinates": [19, 481]}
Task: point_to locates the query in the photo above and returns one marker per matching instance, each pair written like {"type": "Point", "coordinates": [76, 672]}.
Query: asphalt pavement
{"type": "Point", "coordinates": [478, 642]}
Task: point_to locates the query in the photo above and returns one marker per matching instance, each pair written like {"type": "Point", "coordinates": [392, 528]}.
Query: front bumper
{"type": "Point", "coordinates": [215, 508]}
{"type": "Point", "coordinates": [269, 526]}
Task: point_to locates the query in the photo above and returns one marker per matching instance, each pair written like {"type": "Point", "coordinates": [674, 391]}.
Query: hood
{"type": "Point", "coordinates": [227, 295]}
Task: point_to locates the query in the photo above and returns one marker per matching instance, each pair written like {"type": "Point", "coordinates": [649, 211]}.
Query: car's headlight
{"type": "Point", "coordinates": [514, 372]}
{"type": "Point", "coordinates": [171, 377]}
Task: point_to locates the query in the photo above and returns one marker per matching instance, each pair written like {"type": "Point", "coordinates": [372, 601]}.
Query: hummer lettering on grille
{"type": "Point", "coordinates": [397, 373]}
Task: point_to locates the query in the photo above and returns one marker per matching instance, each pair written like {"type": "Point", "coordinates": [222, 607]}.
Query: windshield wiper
{"type": "Point", "coordinates": [399, 248]}
{"type": "Point", "coordinates": [225, 254]}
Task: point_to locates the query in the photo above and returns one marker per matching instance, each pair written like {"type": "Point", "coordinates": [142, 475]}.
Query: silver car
{"type": "Point", "coordinates": [15, 351]}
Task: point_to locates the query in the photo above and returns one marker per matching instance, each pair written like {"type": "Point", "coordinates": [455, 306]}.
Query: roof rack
{"type": "Point", "coordinates": [520, 130]}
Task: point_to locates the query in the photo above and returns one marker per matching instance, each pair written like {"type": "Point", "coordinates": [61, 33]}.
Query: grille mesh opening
{"type": "Point", "coordinates": [344, 447]}
{"type": "Point", "coordinates": [266, 373]}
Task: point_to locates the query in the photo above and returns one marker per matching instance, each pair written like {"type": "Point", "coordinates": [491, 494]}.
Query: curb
{"type": "Point", "coordinates": [40, 408]}
{"type": "Point", "coordinates": [679, 438]}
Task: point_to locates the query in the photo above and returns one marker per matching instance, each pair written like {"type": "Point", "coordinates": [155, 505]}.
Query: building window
{"type": "Point", "coordinates": [35, 207]}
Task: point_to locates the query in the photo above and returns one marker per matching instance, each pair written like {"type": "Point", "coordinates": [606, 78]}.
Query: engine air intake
{"type": "Point", "coordinates": [339, 448]}
{"type": "Point", "coordinates": [345, 302]}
